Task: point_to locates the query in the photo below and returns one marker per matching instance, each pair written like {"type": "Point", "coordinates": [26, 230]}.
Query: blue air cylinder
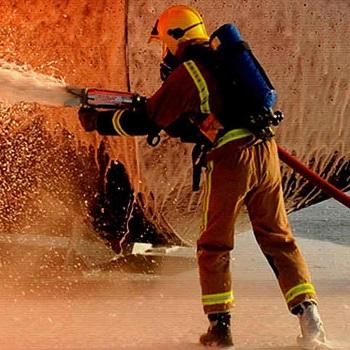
{"type": "Point", "coordinates": [244, 68]}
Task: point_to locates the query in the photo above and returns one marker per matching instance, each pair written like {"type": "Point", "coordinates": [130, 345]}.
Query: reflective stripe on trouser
{"type": "Point", "coordinates": [218, 298]}
{"type": "Point", "coordinates": [236, 176]}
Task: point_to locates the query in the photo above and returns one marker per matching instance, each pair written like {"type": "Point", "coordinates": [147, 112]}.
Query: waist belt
{"type": "Point", "coordinates": [199, 152]}
{"type": "Point", "coordinates": [231, 135]}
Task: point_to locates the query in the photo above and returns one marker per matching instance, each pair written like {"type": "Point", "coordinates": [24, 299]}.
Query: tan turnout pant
{"type": "Point", "coordinates": [238, 174]}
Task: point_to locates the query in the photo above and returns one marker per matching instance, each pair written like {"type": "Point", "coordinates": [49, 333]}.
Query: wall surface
{"type": "Point", "coordinates": [302, 45]}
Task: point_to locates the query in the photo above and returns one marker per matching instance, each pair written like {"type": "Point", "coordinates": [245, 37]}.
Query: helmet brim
{"type": "Point", "coordinates": [154, 33]}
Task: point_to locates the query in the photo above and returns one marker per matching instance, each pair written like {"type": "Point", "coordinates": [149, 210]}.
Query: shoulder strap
{"type": "Point", "coordinates": [199, 161]}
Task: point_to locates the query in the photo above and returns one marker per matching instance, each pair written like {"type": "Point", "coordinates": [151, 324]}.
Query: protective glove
{"type": "Point", "coordinates": [88, 118]}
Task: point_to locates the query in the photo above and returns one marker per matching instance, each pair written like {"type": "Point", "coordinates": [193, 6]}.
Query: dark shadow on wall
{"type": "Point", "coordinates": [319, 217]}
{"type": "Point", "coordinates": [299, 193]}
{"type": "Point", "coordinates": [117, 212]}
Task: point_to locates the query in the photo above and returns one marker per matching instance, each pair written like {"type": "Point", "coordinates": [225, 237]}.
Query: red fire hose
{"type": "Point", "coordinates": [314, 178]}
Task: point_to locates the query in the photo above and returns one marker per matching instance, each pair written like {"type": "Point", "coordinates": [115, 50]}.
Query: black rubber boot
{"type": "Point", "coordinates": [219, 331]}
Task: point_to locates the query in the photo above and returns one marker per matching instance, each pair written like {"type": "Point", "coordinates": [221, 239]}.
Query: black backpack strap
{"type": "Point", "coordinates": [199, 161]}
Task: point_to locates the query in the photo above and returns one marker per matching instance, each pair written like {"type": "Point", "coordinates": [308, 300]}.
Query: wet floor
{"type": "Point", "coordinates": [105, 310]}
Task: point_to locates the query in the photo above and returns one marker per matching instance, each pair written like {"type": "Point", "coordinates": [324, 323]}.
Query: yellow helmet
{"type": "Point", "coordinates": [177, 24]}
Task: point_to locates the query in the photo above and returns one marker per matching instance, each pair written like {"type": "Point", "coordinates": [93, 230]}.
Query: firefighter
{"type": "Point", "coordinates": [241, 169]}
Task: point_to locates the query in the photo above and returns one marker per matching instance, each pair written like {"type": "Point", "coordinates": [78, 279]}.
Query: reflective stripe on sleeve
{"type": "Point", "coordinates": [201, 85]}
{"type": "Point", "coordinates": [219, 298]}
{"type": "Point", "coordinates": [303, 288]}
{"type": "Point", "coordinates": [232, 135]}
{"type": "Point", "coordinates": [116, 122]}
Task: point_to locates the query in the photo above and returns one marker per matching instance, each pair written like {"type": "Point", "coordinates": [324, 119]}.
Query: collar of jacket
{"type": "Point", "coordinates": [183, 53]}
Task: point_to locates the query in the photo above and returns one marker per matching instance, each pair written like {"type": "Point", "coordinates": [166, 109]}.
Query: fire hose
{"type": "Point", "coordinates": [313, 178]}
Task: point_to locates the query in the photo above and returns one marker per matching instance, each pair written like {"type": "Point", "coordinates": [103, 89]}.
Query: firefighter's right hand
{"type": "Point", "coordinates": [88, 118]}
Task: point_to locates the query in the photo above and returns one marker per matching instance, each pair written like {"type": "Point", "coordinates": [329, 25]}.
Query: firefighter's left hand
{"type": "Point", "coordinates": [88, 118]}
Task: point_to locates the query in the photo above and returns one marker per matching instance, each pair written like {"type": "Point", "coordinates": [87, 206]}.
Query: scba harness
{"type": "Point", "coordinates": [247, 93]}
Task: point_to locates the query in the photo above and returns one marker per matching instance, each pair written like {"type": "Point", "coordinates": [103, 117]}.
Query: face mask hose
{"type": "Point", "coordinates": [168, 65]}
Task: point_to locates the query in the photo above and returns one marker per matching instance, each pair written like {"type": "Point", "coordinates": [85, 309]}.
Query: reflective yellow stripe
{"type": "Point", "coordinates": [303, 288]}
{"type": "Point", "coordinates": [210, 168]}
{"type": "Point", "coordinates": [231, 135]}
{"type": "Point", "coordinates": [116, 122]}
{"type": "Point", "coordinates": [219, 298]}
{"type": "Point", "coordinates": [201, 85]}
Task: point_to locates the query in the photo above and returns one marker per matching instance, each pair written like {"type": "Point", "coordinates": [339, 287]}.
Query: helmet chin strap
{"type": "Point", "coordinates": [178, 33]}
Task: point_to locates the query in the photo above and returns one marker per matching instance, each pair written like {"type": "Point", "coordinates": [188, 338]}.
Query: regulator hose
{"type": "Point", "coordinates": [314, 178]}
